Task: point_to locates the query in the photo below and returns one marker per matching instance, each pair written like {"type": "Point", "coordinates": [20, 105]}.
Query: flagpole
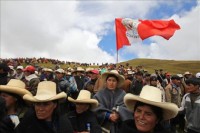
{"type": "Point", "coordinates": [117, 56]}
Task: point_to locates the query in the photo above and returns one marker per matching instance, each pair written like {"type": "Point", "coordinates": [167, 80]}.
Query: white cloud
{"type": "Point", "coordinates": [184, 45]}
{"type": "Point", "coordinates": [72, 30]}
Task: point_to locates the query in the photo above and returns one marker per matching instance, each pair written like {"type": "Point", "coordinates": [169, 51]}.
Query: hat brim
{"type": "Point", "coordinates": [92, 102]}
{"type": "Point", "coordinates": [14, 90]}
{"type": "Point", "coordinates": [170, 110]}
{"type": "Point", "coordinates": [120, 78]}
{"type": "Point", "coordinates": [43, 98]}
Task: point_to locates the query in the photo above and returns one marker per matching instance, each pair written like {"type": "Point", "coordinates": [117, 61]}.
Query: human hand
{"type": "Point", "coordinates": [114, 117]}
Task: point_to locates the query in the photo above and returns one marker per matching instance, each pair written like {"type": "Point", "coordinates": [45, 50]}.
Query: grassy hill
{"type": "Point", "coordinates": [171, 66]}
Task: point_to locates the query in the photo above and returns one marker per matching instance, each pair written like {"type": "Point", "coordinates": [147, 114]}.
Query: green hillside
{"type": "Point", "coordinates": [171, 66]}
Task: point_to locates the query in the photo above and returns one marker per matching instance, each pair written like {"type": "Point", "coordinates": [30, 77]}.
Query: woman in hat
{"type": "Point", "coordinates": [111, 110]}
{"type": "Point", "coordinates": [149, 111]}
{"type": "Point", "coordinates": [15, 105]}
{"type": "Point", "coordinates": [45, 118]}
{"type": "Point", "coordinates": [83, 119]}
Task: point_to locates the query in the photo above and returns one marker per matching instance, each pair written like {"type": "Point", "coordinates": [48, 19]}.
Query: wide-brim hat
{"type": "Point", "coordinates": [84, 97]}
{"type": "Point", "coordinates": [60, 70]}
{"type": "Point", "coordinates": [114, 72]}
{"type": "Point", "coordinates": [46, 91]}
{"type": "Point", "coordinates": [187, 73]}
{"type": "Point", "coordinates": [20, 67]}
{"type": "Point", "coordinates": [79, 69]}
{"type": "Point", "coordinates": [15, 86]}
{"type": "Point", "coordinates": [152, 96]}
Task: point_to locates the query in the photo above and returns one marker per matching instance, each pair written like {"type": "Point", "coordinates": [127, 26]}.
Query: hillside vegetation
{"type": "Point", "coordinates": [171, 66]}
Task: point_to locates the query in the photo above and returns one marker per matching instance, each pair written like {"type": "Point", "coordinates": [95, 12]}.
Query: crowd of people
{"type": "Point", "coordinates": [106, 99]}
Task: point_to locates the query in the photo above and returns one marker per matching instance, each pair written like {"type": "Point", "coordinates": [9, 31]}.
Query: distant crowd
{"type": "Point", "coordinates": [82, 99]}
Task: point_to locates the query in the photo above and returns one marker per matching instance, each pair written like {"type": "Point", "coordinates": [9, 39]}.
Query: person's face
{"type": "Point", "coordinates": [26, 73]}
{"type": "Point", "coordinates": [125, 75]}
{"type": "Point", "coordinates": [153, 82]}
{"type": "Point", "coordinates": [188, 76]}
{"type": "Point", "coordinates": [10, 100]}
{"type": "Point", "coordinates": [81, 107]}
{"type": "Point", "coordinates": [145, 119]}
{"type": "Point", "coordinates": [177, 82]}
{"type": "Point", "coordinates": [168, 76]}
{"type": "Point", "coordinates": [111, 83]}
{"type": "Point", "coordinates": [11, 71]}
{"type": "Point", "coordinates": [139, 77]}
{"type": "Point", "coordinates": [59, 75]}
{"type": "Point", "coordinates": [192, 88]}
{"type": "Point", "coordinates": [44, 110]}
{"type": "Point", "coordinates": [19, 71]}
{"type": "Point", "coordinates": [79, 73]}
{"type": "Point", "coordinates": [93, 76]}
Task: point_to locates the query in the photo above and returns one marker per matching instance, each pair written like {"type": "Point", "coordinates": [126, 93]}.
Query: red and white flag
{"type": "Point", "coordinates": [128, 30]}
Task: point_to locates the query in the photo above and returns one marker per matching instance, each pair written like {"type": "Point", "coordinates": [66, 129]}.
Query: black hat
{"type": "Point", "coordinates": [175, 77]}
{"type": "Point", "coordinates": [139, 73]}
{"type": "Point", "coordinates": [194, 81]}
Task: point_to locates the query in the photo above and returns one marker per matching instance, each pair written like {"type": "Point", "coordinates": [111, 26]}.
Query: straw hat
{"type": "Point", "coordinates": [89, 69]}
{"type": "Point", "coordinates": [79, 69]}
{"type": "Point", "coordinates": [152, 96]}
{"type": "Point", "coordinates": [60, 70]}
{"type": "Point", "coordinates": [114, 72]}
{"type": "Point", "coordinates": [46, 91]}
{"type": "Point", "coordinates": [187, 73]}
{"type": "Point", "coordinates": [20, 67]}
{"type": "Point", "coordinates": [85, 97]}
{"type": "Point", "coordinates": [15, 86]}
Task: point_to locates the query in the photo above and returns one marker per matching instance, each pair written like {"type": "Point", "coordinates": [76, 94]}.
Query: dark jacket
{"type": "Point", "coordinates": [6, 125]}
{"type": "Point", "coordinates": [128, 126]}
{"type": "Point", "coordinates": [30, 124]}
{"type": "Point", "coordinates": [136, 87]}
{"type": "Point", "coordinates": [80, 121]}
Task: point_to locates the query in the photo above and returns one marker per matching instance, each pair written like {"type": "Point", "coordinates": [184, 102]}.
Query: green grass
{"type": "Point", "coordinates": [171, 66]}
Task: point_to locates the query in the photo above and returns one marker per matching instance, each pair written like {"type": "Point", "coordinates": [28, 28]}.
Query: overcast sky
{"type": "Point", "coordinates": [83, 31]}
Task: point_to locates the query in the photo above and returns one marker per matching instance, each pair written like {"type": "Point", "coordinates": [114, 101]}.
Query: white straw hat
{"type": "Point", "coordinates": [46, 91]}
{"type": "Point", "coordinates": [114, 72]}
{"type": "Point", "coordinates": [85, 97]}
{"type": "Point", "coordinates": [152, 96]}
{"type": "Point", "coordinates": [15, 86]}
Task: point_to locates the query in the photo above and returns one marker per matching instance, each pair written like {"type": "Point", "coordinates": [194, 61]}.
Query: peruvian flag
{"type": "Point", "coordinates": [128, 30]}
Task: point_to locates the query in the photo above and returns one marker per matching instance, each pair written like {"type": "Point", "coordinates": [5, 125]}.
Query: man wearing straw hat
{"type": "Point", "coordinates": [83, 119]}
{"type": "Point", "coordinates": [45, 117]}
